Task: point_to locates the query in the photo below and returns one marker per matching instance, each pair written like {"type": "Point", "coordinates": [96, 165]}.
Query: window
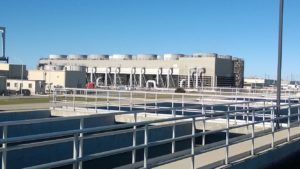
{"type": "Point", "coordinates": [30, 85]}
{"type": "Point", "coordinates": [8, 84]}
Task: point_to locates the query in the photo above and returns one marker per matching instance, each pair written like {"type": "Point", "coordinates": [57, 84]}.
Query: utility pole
{"type": "Point", "coordinates": [279, 63]}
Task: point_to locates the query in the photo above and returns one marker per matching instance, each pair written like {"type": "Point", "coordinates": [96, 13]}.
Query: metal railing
{"type": "Point", "coordinates": [79, 136]}
{"type": "Point", "coordinates": [88, 98]}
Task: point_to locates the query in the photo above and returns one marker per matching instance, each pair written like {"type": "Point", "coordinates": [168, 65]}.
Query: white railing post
{"type": "Point", "coordinates": [204, 124]}
{"type": "Point", "coordinates": [145, 104]}
{"type": "Point", "coordinates": [235, 106]}
{"type": "Point", "coordinates": [96, 100]}
{"type": "Point", "coordinates": [298, 111]}
{"type": "Point", "coordinates": [252, 133]}
{"type": "Point", "coordinates": [4, 146]}
{"type": "Point", "coordinates": [156, 103]}
{"type": "Point", "coordinates": [182, 104]}
{"type": "Point", "coordinates": [74, 100]}
{"type": "Point", "coordinates": [146, 147]}
{"type": "Point", "coordinates": [107, 100]}
{"type": "Point", "coordinates": [134, 140]}
{"type": "Point", "coordinates": [289, 121]}
{"type": "Point", "coordinates": [86, 99]}
{"type": "Point", "coordinates": [193, 143]}
{"type": "Point", "coordinates": [264, 118]}
{"type": "Point", "coordinates": [81, 142]}
{"type": "Point", "coordinates": [174, 125]}
{"type": "Point", "coordinates": [273, 128]}
{"type": "Point", "coordinates": [247, 117]}
{"type": "Point", "coordinates": [227, 139]}
{"type": "Point", "coordinates": [75, 151]}
{"type": "Point", "coordinates": [131, 102]}
{"type": "Point", "coordinates": [119, 101]}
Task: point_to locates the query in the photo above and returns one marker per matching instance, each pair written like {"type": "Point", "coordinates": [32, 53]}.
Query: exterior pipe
{"type": "Point", "coordinates": [151, 81]}
{"type": "Point", "coordinates": [181, 82]}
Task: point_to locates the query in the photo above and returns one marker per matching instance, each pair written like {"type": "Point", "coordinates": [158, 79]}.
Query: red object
{"type": "Point", "coordinates": [90, 85]}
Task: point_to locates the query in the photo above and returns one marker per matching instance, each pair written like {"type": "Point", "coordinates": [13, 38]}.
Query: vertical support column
{"type": "Point", "coordinates": [146, 147]}
{"type": "Point", "coordinates": [130, 79]}
{"type": "Point", "coordinates": [141, 84]}
{"type": "Point", "coordinates": [168, 80]}
{"type": "Point", "coordinates": [4, 146]}
{"type": "Point", "coordinates": [115, 78]}
{"type": "Point", "coordinates": [157, 78]}
{"type": "Point", "coordinates": [189, 80]}
{"type": "Point", "coordinates": [105, 79]}
{"type": "Point", "coordinates": [197, 78]}
{"type": "Point", "coordinates": [91, 76]}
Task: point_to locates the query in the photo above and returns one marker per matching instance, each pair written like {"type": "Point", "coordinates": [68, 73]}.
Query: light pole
{"type": "Point", "coordinates": [279, 63]}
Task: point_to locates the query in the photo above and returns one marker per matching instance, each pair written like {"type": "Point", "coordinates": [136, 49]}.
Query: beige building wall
{"type": "Point", "coordinates": [58, 79]}
{"type": "Point", "coordinates": [214, 66]}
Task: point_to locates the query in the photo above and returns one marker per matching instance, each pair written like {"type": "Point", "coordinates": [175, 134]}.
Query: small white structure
{"type": "Point", "coordinates": [35, 86]}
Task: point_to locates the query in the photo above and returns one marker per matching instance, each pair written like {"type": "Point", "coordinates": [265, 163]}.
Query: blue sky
{"type": "Point", "coordinates": [242, 28]}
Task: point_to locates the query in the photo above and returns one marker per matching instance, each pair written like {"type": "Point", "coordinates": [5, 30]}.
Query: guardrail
{"type": "Point", "coordinates": [79, 136]}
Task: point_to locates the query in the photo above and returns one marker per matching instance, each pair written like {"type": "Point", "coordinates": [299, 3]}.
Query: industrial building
{"type": "Point", "coordinates": [255, 83]}
{"type": "Point", "coordinates": [59, 78]}
{"type": "Point", "coordinates": [151, 70]}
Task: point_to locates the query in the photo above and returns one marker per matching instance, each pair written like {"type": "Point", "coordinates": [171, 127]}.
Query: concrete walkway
{"type": "Point", "coordinates": [27, 106]}
{"type": "Point", "coordinates": [240, 149]}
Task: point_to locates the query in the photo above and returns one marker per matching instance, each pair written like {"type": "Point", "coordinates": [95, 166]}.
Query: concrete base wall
{"type": "Point", "coordinates": [268, 158]}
